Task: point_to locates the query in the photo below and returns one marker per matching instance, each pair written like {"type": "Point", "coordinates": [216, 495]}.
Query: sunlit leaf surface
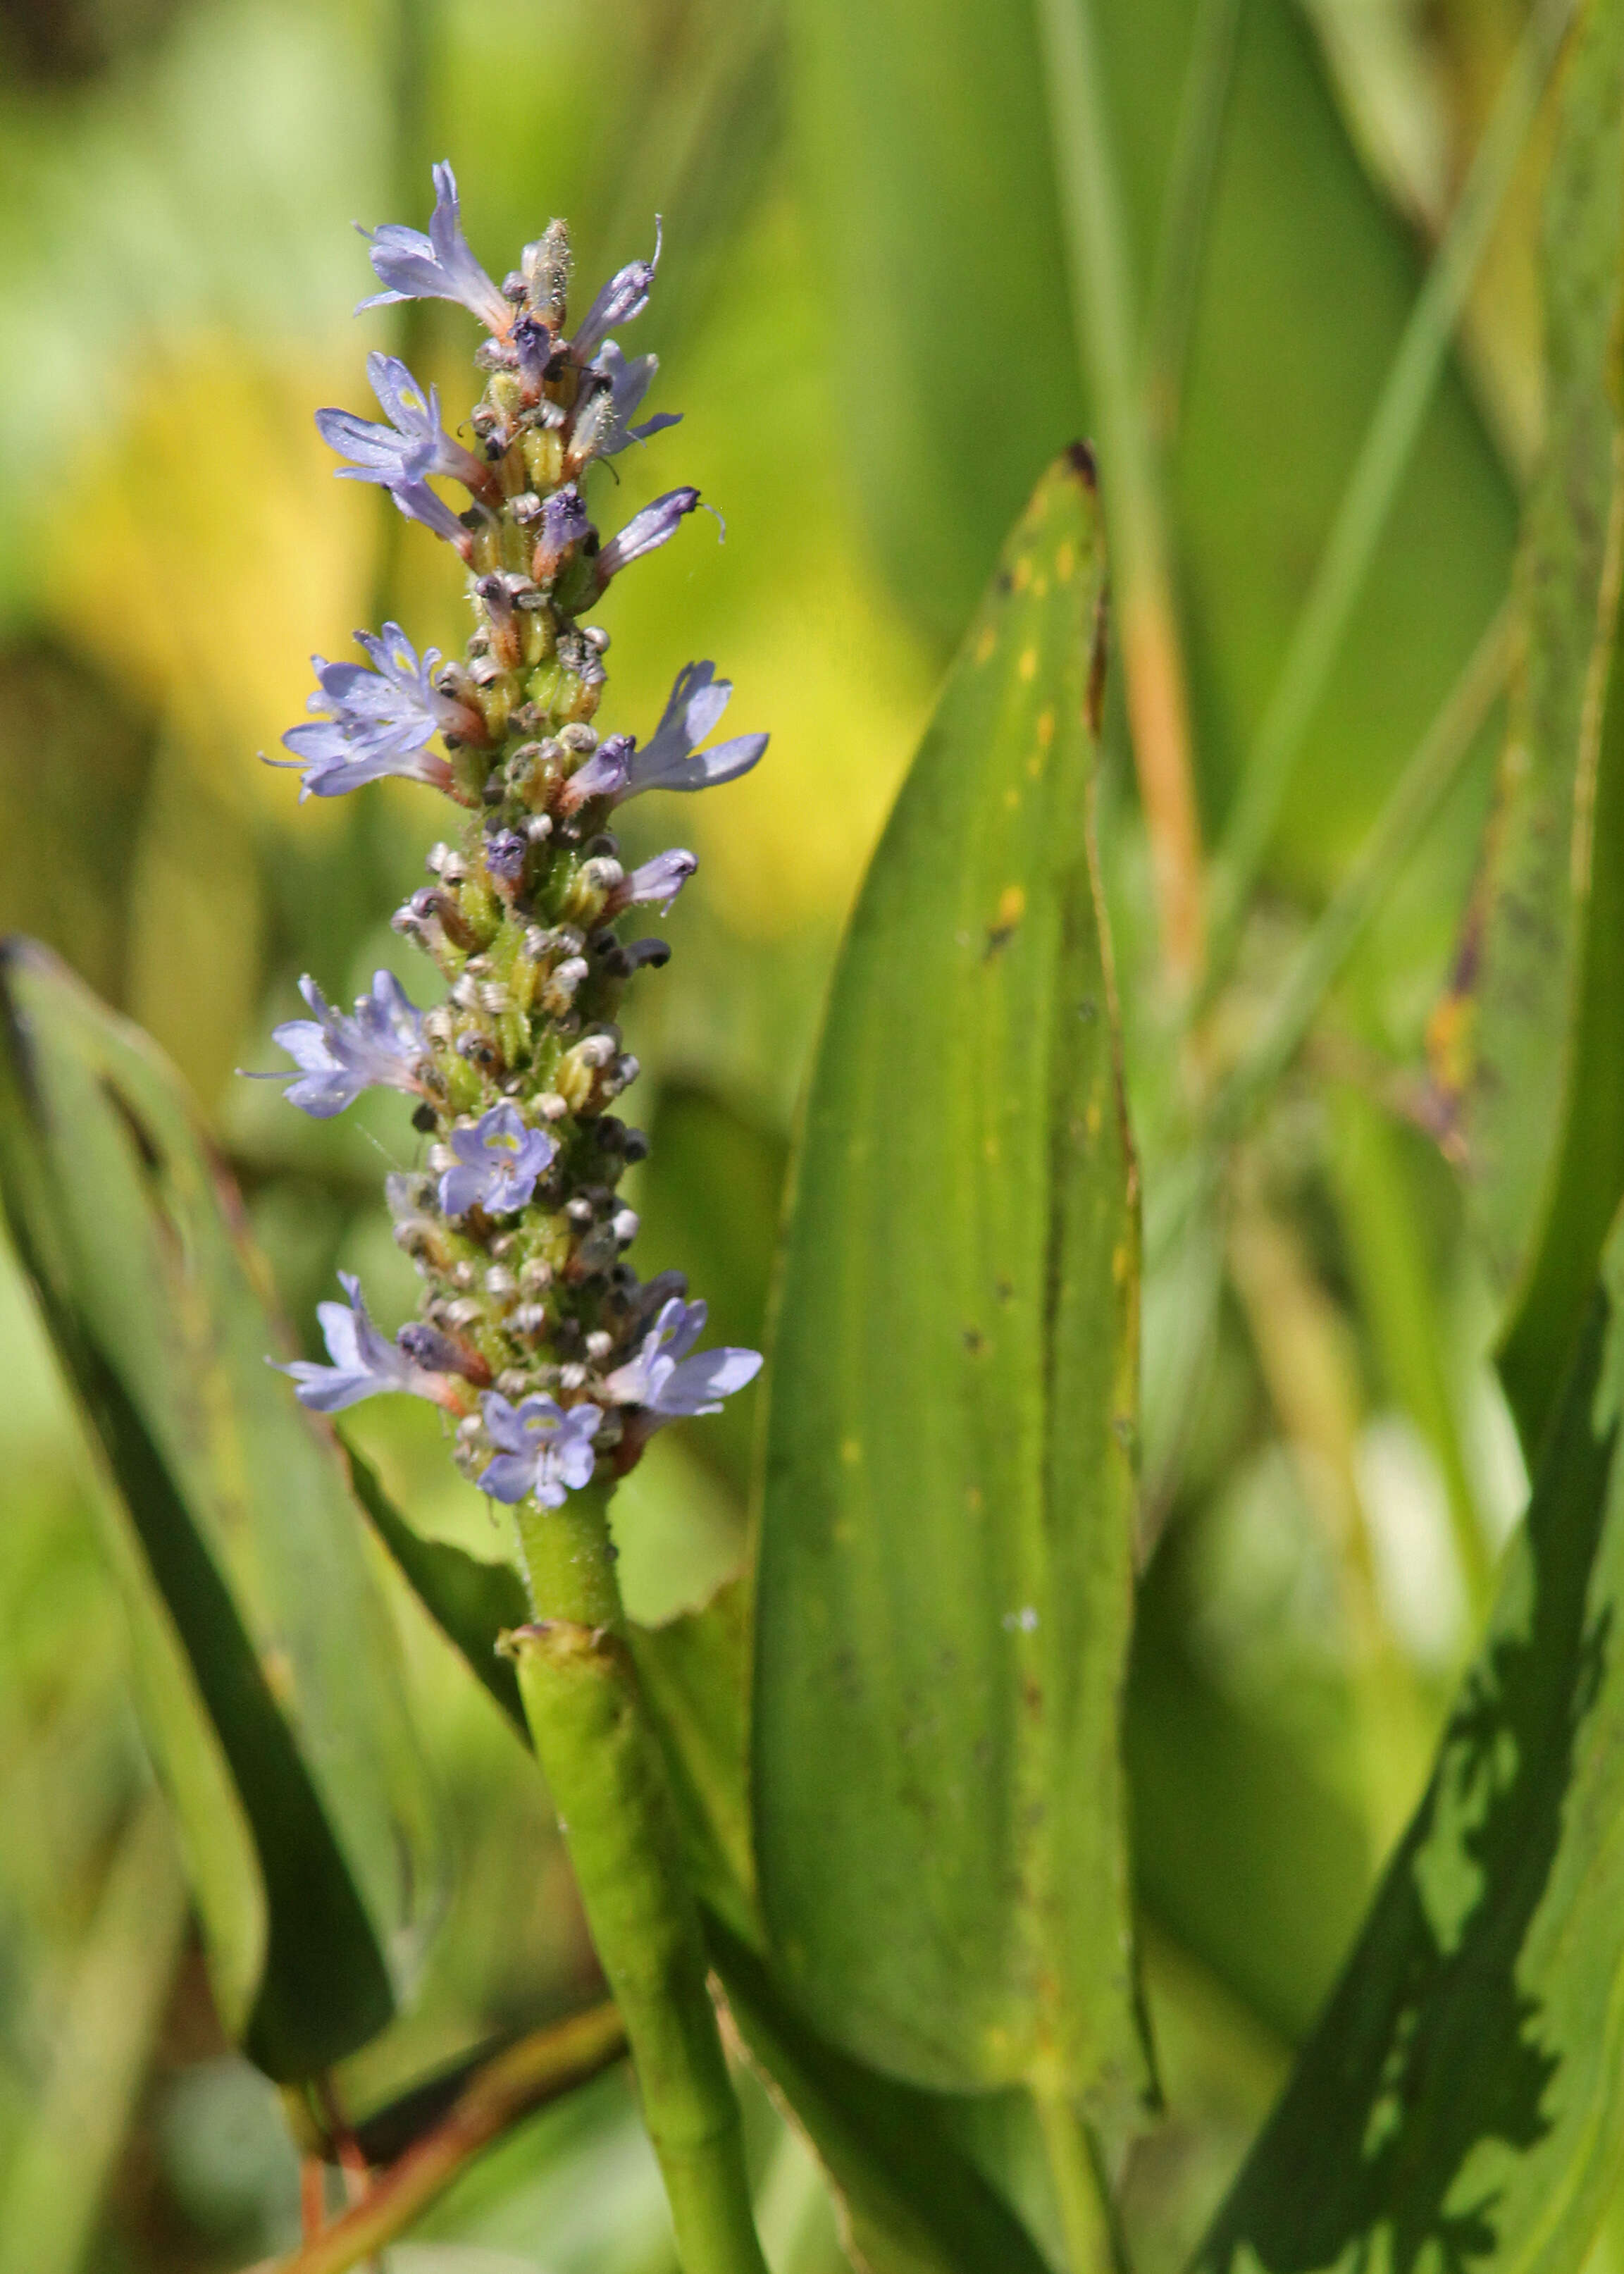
{"type": "Point", "coordinates": [265, 1660]}
{"type": "Point", "coordinates": [1459, 2103]}
{"type": "Point", "coordinates": [944, 1582]}
{"type": "Point", "coordinates": [1530, 1031]}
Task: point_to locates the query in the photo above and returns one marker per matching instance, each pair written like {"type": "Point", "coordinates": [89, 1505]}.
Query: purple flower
{"type": "Point", "coordinates": [670, 759]}
{"type": "Point", "coordinates": [438, 267]}
{"type": "Point", "coordinates": [645, 532]}
{"type": "Point", "coordinates": [417, 501]}
{"type": "Point", "coordinates": [626, 295]}
{"type": "Point", "coordinates": [374, 722]}
{"type": "Point", "coordinates": [497, 1163]}
{"type": "Point", "coordinates": [364, 1363]}
{"type": "Point", "coordinates": [412, 445]}
{"type": "Point", "coordinates": [603, 424]}
{"type": "Point", "coordinates": [541, 1448]}
{"type": "Point", "coordinates": [666, 1383]}
{"type": "Point", "coordinates": [605, 774]}
{"type": "Point", "coordinates": [656, 883]}
{"type": "Point", "coordinates": [564, 525]}
{"type": "Point", "coordinates": [338, 1056]}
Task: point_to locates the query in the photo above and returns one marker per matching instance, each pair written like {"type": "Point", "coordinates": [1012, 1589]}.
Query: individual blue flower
{"type": "Point", "coordinates": [541, 1448]}
{"type": "Point", "coordinates": [497, 1163]}
{"type": "Point", "coordinates": [364, 1363]}
{"type": "Point", "coordinates": [376, 722]}
{"type": "Point", "coordinates": [666, 1383]}
{"type": "Point", "coordinates": [624, 297]}
{"type": "Point", "coordinates": [605, 774]}
{"type": "Point", "coordinates": [411, 446]}
{"type": "Point", "coordinates": [670, 759]}
{"type": "Point", "coordinates": [603, 424]}
{"type": "Point", "coordinates": [439, 266]}
{"type": "Point", "coordinates": [564, 525]}
{"type": "Point", "coordinates": [645, 532]}
{"type": "Point", "coordinates": [656, 884]}
{"type": "Point", "coordinates": [417, 501]}
{"type": "Point", "coordinates": [338, 1055]}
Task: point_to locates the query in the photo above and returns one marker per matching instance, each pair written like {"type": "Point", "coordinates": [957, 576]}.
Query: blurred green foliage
{"type": "Point", "coordinates": [862, 312]}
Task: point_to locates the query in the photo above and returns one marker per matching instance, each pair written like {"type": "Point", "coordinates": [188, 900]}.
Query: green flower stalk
{"type": "Point", "coordinates": [535, 1333]}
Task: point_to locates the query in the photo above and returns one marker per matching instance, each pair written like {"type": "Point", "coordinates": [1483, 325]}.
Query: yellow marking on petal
{"type": "Point", "coordinates": [1028, 664]}
{"type": "Point", "coordinates": [1065, 561]}
{"type": "Point", "coordinates": [985, 645]}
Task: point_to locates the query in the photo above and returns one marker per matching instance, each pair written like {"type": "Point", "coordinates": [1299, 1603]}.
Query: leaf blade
{"type": "Point", "coordinates": [280, 1715]}
{"type": "Point", "coordinates": [931, 1688]}
{"type": "Point", "coordinates": [1458, 2092]}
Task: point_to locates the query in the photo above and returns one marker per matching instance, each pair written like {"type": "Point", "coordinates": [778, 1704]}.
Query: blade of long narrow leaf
{"type": "Point", "coordinates": [265, 1660]}
{"type": "Point", "coordinates": [911, 2199]}
{"type": "Point", "coordinates": [943, 1585]}
{"type": "Point", "coordinates": [1459, 2102]}
{"type": "Point", "coordinates": [1540, 973]}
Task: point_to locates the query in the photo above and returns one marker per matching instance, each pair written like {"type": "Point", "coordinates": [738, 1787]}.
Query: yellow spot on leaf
{"type": "Point", "coordinates": [1022, 577]}
{"type": "Point", "coordinates": [1097, 1115]}
{"type": "Point", "coordinates": [1045, 729]}
{"type": "Point", "coordinates": [1040, 588]}
{"type": "Point", "coordinates": [985, 645]}
{"type": "Point", "coordinates": [1028, 664]}
{"type": "Point", "coordinates": [989, 1147]}
{"type": "Point", "coordinates": [1011, 798]}
{"type": "Point", "coordinates": [974, 1500]}
{"type": "Point", "coordinates": [1065, 561]}
{"type": "Point", "coordinates": [1011, 905]}
{"type": "Point", "coordinates": [851, 1452]}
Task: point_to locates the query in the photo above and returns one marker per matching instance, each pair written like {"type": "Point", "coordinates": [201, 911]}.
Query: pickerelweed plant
{"type": "Point", "coordinates": [535, 1333]}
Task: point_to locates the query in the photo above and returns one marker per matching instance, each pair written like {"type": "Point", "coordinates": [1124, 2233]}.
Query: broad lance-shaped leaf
{"type": "Point", "coordinates": [1525, 1044]}
{"type": "Point", "coordinates": [911, 2200]}
{"type": "Point", "coordinates": [945, 1584]}
{"type": "Point", "coordinates": [265, 1662]}
{"type": "Point", "coordinates": [1459, 2103]}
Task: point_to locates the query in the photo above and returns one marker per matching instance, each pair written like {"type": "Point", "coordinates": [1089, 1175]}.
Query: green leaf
{"type": "Point", "coordinates": [694, 1675]}
{"type": "Point", "coordinates": [265, 1660]}
{"type": "Point", "coordinates": [944, 1584]}
{"type": "Point", "coordinates": [1459, 2102]}
{"type": "Point", "coordinates": [1527, 1040]}
{"type": "Point", "coordinates": [472, 1602]}
{"type": "Point", "coordinates": [912, 2203]}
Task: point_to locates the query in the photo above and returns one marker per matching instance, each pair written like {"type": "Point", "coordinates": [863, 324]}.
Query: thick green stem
{"type": "Point", "coordinates": [601, 1756]}
{"type": "Point", "coordinates": [1085, 2218]}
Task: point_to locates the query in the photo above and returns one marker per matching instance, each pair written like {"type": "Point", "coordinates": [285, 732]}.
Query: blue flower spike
{"type": "Point", "coordinates": [534, 1327]}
